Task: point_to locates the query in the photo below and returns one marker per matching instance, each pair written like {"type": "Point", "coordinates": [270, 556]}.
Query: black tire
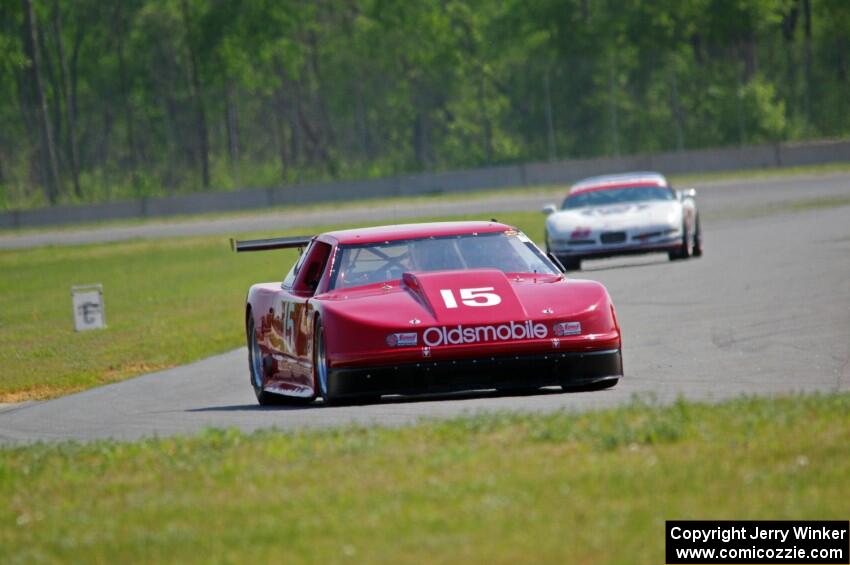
{"type": "Point", "coordinates": [320, 368]}
{"type": "Point", "coordinates": [686, 249]}
{"type": "Point", "coordinates": [698, 239]}
{"type": "Point", "coordinates": [256, 369]}
{"type": "Point", "coordinates": [321, 376]}
{"type": "Point", "coordinates": [599, 385]}
{"type": "Point", "coordinates": [571, 263]}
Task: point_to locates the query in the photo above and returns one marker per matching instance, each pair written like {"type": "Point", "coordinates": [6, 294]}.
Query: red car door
{"type": "Point", "coordinates": [294, 316]}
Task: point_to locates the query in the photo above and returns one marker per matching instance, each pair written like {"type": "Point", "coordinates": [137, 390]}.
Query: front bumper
{"type": "Point", "coordinates": [568, 369]}
{"type": "Point", "coordinates": [634, 240]}
{"type": "Point", "coordinates": [602, 251]}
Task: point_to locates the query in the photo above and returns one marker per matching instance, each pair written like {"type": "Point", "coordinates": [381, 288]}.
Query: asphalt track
{"type": "Point", "coordinates": [765, 311]}
{"type": "Point", "coordinates": [713, 194]}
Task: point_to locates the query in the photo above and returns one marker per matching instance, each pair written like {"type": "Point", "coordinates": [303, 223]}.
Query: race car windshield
{"type": "Point", "coordinates": [616, 196]}
{"type": "Point", "coordinates": [509, 252]}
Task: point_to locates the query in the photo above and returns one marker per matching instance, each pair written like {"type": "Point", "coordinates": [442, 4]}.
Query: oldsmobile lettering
{"type": "Point", "coordinates": [457, 335]}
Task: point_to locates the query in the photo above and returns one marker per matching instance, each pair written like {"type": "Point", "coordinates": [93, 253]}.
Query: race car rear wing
{"type": "Point", "coordinates": [299, 241]}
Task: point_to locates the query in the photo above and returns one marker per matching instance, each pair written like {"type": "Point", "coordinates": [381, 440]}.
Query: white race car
{"type": "Point", "coordinates": [623, 214]}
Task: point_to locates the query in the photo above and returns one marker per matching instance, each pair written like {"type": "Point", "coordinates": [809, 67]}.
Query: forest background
{"type": "Point", "coordinates": [104, 101]}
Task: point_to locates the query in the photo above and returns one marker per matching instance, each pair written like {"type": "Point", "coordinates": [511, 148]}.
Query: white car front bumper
{"type": "Point", "coordinates": [605, 243]}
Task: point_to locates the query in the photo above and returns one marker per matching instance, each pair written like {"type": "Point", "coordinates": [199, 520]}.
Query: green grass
{"type": "Point", "coordinates": [556, 191]}
{"type": "Point", "coordinates": [168, 302]}
{"type": "Point", "coordinates": [499, 488]}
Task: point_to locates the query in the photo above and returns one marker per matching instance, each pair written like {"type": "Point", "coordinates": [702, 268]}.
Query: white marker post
{"type": "Point", "coordinates": [89, 312]}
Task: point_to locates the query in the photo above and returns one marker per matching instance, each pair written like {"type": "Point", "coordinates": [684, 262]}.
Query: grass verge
{"type": "Point", "coordinates": [498, 488]}
{"type": "Point", "coordinates": [556, 191]}
{"type": "Point", "coordinates": [168, 302]}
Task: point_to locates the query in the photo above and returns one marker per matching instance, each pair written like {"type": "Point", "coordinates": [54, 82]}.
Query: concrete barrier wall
{"type": "Point", "coordinates": [205, 202]}
{"type": "Point", "coordinates": [813, 153]}
{"type": "Point", "coordinates": [560, 172]}
{"type": "Point", "coordinates": [530, 174]}
{"type": "Point", "coordinates": [715, 160]}
{"type": "Point", "coordinates": [461, 181]}
{"type": "Point", "coordinates": [335, 191]}
{"type": "Point", "coordinates": [58, 215]}
{"type": "Point", "coordinates": [9, 220]}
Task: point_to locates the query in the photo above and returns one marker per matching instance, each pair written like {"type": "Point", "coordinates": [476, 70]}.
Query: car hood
{"type": "Point", "coordinates": [417, 301]}
{"type": "Point", "coordinates": [617, 216]}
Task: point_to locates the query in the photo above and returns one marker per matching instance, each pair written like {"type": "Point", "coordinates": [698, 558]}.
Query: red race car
{"type": "Point", "coordinates": [425, 308]}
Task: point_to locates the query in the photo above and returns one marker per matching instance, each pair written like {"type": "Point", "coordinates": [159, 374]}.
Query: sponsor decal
{"type": "Point", "coordinates": [436, 336]}
{"type": "Point", "coordinates": [406, 339]}
{"type": "Point", "coordinates": [580, 233]}
{"type": "Point", "coordinates": [567, 328]}
{"type": "Point", "coordinates": [609, 210]}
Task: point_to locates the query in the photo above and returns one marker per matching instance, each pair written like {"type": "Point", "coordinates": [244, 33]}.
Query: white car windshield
{"type": "Point", "coordinates": [509, 252]}
{"type": "Point", "coordinates": [617, 196]}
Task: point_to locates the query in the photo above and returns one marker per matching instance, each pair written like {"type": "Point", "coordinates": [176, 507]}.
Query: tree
{"type": "Point", "coordinates": [50, 168]}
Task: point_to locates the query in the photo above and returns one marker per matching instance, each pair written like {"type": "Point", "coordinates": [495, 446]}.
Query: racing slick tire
{"type": "Point", "coordinates": [321, 374]}
{"type": "Point", "coordinates": [687, 248]}
{"type": "Point", "coordinates": [571, 263]}
{"type": "Point", "coordinates": [698, 239]}
{"type": "Point", "coordinates": [256, 368]}
{"type": "Point", "coordinates": [320, 364]}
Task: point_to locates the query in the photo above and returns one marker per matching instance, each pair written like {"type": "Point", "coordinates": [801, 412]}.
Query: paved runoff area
{"type": "Point", "coordinates": [766, 311]}
{"type": "Point", "coordinates": [743, 193]}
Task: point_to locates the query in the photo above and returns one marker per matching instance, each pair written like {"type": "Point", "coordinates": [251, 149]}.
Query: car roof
{"type": "Point", "coordinates": [603, 182]}
{"type": "Point", "coordinates": [413, 231]}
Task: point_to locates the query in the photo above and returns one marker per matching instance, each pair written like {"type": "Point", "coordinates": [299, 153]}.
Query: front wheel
{"type": "Point", "coordinates": [321, 374]}
{"type": "Point", "coordinates": [697, 238]}
{"type": "Point", "coordinates": [571, 263]}
{"type": "Point", "coordinates": [686, 249]}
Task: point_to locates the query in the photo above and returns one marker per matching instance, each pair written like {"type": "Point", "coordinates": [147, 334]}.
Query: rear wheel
{"type": "Point", "coordinates": [255, 366]}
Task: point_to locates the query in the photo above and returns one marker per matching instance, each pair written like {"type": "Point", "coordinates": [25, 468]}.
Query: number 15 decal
{"type": "Point", "coordinates": [471, 297]}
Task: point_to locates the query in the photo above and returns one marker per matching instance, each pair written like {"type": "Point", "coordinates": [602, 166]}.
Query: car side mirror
{"type": "Point", "coordinates": [688, 193]}
{"type": "Point", "coordinates": [557, 262]}
{"type": "Point", "coordinates": [549, 209]}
